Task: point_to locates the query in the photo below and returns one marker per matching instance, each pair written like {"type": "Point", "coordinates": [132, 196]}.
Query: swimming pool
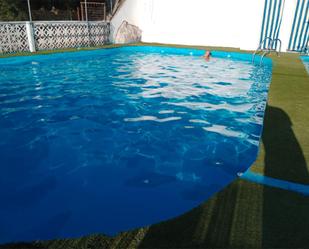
{"type": "Point", "coordinates": [305, 60]}
{"type": "Point", "coordinates": [108, 140]}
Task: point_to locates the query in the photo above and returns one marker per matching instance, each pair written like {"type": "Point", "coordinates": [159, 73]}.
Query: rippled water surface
{"type": "Point", "coordinates": [109, 140]}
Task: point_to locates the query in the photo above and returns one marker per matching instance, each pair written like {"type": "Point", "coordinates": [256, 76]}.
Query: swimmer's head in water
{"type": "Point", "coordinates": [207, 54]}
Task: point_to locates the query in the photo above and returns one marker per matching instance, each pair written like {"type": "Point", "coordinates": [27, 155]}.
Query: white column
{"type": "Point", "coordinates": [30, 36]}
{"type": "Point", "coordinates": [287, 23]}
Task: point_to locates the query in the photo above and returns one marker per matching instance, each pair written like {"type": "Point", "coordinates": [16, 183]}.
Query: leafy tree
{"type": "Point", "coordinates": [13, 10]}
{"type": "Point", "coordinates": [17, 10]}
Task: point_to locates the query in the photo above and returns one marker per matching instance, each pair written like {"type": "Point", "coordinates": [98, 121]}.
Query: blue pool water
{"type": "Point", "coordinates": [108, 140]}
{"type": "Point", "coordinates": [305, 60]}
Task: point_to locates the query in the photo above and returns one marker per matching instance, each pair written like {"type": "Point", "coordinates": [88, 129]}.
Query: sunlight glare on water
{"type": "Point", "coordinates": [108, 140]}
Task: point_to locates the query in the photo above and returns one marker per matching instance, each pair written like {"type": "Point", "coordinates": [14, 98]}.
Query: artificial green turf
{"type": "Point", "coordinates": [244, 214]}
{"type": "Point", "coordinates": [56, 51]}
{"type": "Point", "coordinates": [284, 152]}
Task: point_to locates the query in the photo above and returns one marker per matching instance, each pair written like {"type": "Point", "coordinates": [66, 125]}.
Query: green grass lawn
{"type": "Point", "coordinates": [244, 214]}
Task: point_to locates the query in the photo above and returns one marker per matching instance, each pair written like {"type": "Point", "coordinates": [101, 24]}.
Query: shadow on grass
{"type": "Point", "coordinates": [285, 214]}
{"type": "Point", "coordinates": [246, 214]}
{"type": "Point", "coordinates": [284, 158]}
{"type": "Point", "coordinates": [243, 215]}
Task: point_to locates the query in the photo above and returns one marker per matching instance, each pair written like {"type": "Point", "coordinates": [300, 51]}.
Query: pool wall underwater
{"type": "Point", "coordinates": [107, 140]}
{"type": "Point", "coordinates": [151, 49]}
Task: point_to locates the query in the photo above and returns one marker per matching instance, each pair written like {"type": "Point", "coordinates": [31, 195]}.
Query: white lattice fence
{"type": "Point", "coordinates": [70, 34]}
{"type": "Point", "coordinates": [99, 33]}
{"type": "Point", "coordinates": [13, 37]}
{"type": "Point", "coordinates": [53, 35]}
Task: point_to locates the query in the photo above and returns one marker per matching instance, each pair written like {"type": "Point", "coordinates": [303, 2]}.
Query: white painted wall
{"type": "Point", "coordinates": [287, 22]}
{"type": "Point", "coordinates": [226, 23]}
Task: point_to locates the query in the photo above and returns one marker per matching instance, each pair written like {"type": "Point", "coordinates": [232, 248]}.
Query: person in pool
{"type": "Point", "coordinates": [207, 55]}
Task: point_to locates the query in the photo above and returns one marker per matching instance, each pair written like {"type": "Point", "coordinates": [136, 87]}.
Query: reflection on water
{"type": "Point", "coordinates": [219, 100]}
{"type": "Point", "coordinates": [119, 134]}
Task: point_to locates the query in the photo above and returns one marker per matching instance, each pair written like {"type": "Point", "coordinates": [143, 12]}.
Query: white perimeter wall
{"type": "Point", "coordinates": [226, 23]}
